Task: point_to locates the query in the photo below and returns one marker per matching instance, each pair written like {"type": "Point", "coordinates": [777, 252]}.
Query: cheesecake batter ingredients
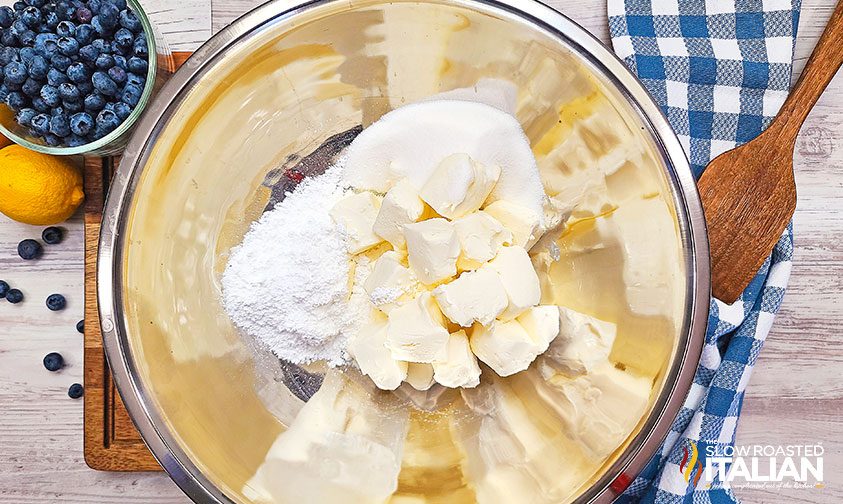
{"type": "Point", "coordinates": [287, 283]}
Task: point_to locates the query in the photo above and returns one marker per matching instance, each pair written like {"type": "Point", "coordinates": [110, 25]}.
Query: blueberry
{"type": "Point", "coordinates": [8, 55]}
{"type": "Point", "coordinates": [7, 16]}
{"type": "Point", "coordinates": [104, 84]}
{"type": "Point", "coordinates": [81, 123]}
{"type": "Point", "coordinates": [109, 15]}
{"type": "Point", "coordinates": [7, 38]}
{"type": "Point", "coordinates": [74, 140]}
{"type": "Point", "coordinates": [137, 65]}
{"type": "Point", "coordinates": [53, 361]}
{"type": "Point", "coordinates": [51, 19]}
{"type": "Point", "coordinates": [94, 102]}
{"type": "Point", "coordinates": [61, 61]}
{"type": "Point", "coordinates": [29, 249]}
{"type": "Point", "coordinates": [120, 4]}
{"type": "Point", "coordinates": [16, 100]}
{"type": "Point", "coordinates": [4, 92]}
{"type": "Point", "coordinates": [80, 326]}
{"type": "Point", "coordinates": [71, 107]}
{"type": "Point", "coordinates": [56, 302]}
{"type": "Point", "coordinates": [38, 68]}
{"type": "Point", "coordinates": [35, 3]}
{"type": "Point", "coordinates": [15, 73]}
{"type": "Point", "coordinates": [39, 105]}
{"type": "Point", "coordinates": [88, 53]}
{"type": "Point", "coordinates": [60, 125]}
{"type": "Point", "coordinates": [85, 34]}
{"type": "Point", "coordinates": [140, 46]}
{"type": "Point", "coordinates": [45, 44]}
{"type": "Point", "coordinates": [84, 15]}
{"type": "Point", "coordinates": [27, 38]}
{"type": "Point", "coordinates": [31, 87]}
{"type": "Point", "coordinates": [85, 87]}
{"type": "Point", "coordinates": [107, 121]}
{"type": "Point", "coordinates": [52, 140]}
{"type": "Point", "coordinates": [4, 288]}
{"type": "Point", "coordinates": [123, 110]}
{"type": "Point", "coordinates": [25, 115]}
{"type": "Point", "coordinates": [94, 5]}
{"type": "Point", "coordinates": [76, 391]}
{"type": "Point", "coordinates": [96, 22]}
{"type": "Point", "coordinates": [117, 74]}
{"type": "Point", "coordinates": [18, 6]}
{"type": "Point", "coordinates": [137, 80]}
{"type": "Point", "coordinates": [130, 21]}
{"type": "Point", "coordinates": [68, 46]}
{"type": "Point", "coordinates": [19, 26]}
{"type": "Point", "coordinates": [120, 61]}
{"type": "Point", "coordinates": [26, 54]}
{"type": "Point", "coordinates": [57, 110]}
{"type": "Point", "coordinates": [69, 92]}
{"type": "Point", "coordinates": [65, 10]}
{"type": "Point", "coordinates": [14, 296]}
{"type": "Point", "coordinates": [31, 16]}
{"type": "Point", "coordinates": [66, 29]}
{"type": "Point", "coordinates": [50, 95]}
{"type": "Point", "coordinates": [101, 45]}
{"type": "Point", "coordinates": [124, 39]}
{"type": "Point", "coordinates": [104, 61]}
{"type": "Point", "coordinates": [56, 77]}
{"type": "Point", "coordinates": [52, 235]}
{"type": "Point", "coordinates": [77, 72]}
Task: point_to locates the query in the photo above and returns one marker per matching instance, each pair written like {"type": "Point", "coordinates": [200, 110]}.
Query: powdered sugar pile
{"type": "Point", "coordinates": [287, 283]}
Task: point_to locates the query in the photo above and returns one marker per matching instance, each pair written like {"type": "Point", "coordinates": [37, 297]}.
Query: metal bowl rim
{"type": "Point", "coordinates": [137, 398]}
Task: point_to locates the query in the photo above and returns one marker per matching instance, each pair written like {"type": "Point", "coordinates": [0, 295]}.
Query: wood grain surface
{"type": "Point", "coordinates": [795, 396]}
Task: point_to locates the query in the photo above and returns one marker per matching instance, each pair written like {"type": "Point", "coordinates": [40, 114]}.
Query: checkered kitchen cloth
{"type": "Point", "coordinates": [720, 69]}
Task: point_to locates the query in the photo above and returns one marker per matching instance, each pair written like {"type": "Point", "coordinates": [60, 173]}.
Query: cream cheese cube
{"type": "Point", "coordinates": [542, 323]}
{"type": "Point", "coordinates": [476, 296]}
{"type": "Point", "coordinates": [481, 236]}
{"type": "Point", "coordinates": [416, 331]}
{"type": "Point", "coordinates": [460, 369]}
{"type": "Point", "coordinates": [374, 359]}
{"type": "Point", "coordinates": [459, 186]}
{"type": "Point", "coordinates": [522, 222]}
{"type": "Point", "coordinates": [584, 343]}
{"type": "Point", "coordinates": [432, 249]}
{"type": "Point", "coordinates": [401, 206]}
{"type": "Point", "coordinates": [419, 376]}
{"type": "Point", "coordinates": [389, 282]}
{"type": "Point", "coordinates": [506, 347]}
{"type": "Point", "coordinates": [355, 214]}
{"type": "Point", "coordinates": [519, 280]}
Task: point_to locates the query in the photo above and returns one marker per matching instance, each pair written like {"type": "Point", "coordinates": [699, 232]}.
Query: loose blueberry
{"type": "Point", "coordinates": [137, 80]}
{"type": "Point", "coordinates": [66, 29]}
{"type": "Point", "coordinates": [24, 116]}
{"type": "Point", "coordinates": [96, 22]}
{"type": "Point", "coordinates": [80, 326]}
{"type": "Point", "coordinates": [53, 361]}
{"type": "Point", "coordinates": [8, 55]}
{"type": "Point", "coordinates": [84, 15]}
{"type": "Point", "coordinates": [74, 140]}
{"type": "Point", "coordinates": [130, 21]}
{"type": "Point", "coordinates": [140, 46]}
{"type": "Point", "coordinates": [31, 87]}
{"type": "Point", "coordinates": [56, 77]}
{"type": "Point", "coordinates": [61, 61]}
{"type": "Point", "coordinates": [131, 94]}
{"type": "Point", "coordinates": [81, 123]}
{"type": "Point", "coordinates": [29, 249]}
{"type": "Point", "coordinates": [15, 73]}
{"type": "Point", "coordinates": [123, 110]}
{"type": "Point", "coordinates": [137, 65]}
{"type": "Point", "coordinates": [60, 125]}
{"type": "Point", "coordinates": [68, 46]}
{"type": "Point", "coordinates": [76, 391]}
{"type": "Point", "coordinates": [117, 74]}
{"type": "Point", "coordinates": [7, 16]}
{"type": "Point", "coordinates": [89, 53]}
{"type": "Point", "coordinates": [77, 72]}
{"type": "Point", "coordinates": [14, 296]}
{"type": "Point", "coordinates": [52, 235]}
{"type": "Point", "coordinates": [19, 6]}
{"type": "Point", "coordinates": [16, 100]}
{"type": "Point", "coordinates": [103, 83]}
{"type": "Point", "coordinates": [4, 288]}
{"type": "Point", "coordinates": [4, 92]}
{"type": "Point", "coordinates": [31, 16]}
{"type": "Point", "coordinates": [107, 121]}
{"type": "Point", "coordinates": [52, 140]}
{"type": "Point", "coordinates": [94, 5]}
{"type": "Point", "coordinates": [71, 107]}
{"type": "Point", "coordinates": [109, 15]}
{"type": "Point", "coordinates": [7, 38]}
{"type": "Point", "coordinates": [26, 54]}
{"type": "Point", "coordinates": [27, 38]}
{"type": "Point", "coordinates": [85, 34]}
{"type": "Point", "coordinates": [56, 302]}
{"type": "Point", "coordinates": [51, 19]}
{"type": "Point", "coordinates": [85, 87]}
{"type": "Point", "coordinates": [124, 38]}
{"type": "Point", "coordinates": [120, 4]}
{"type": "Point", "coordinates": [40, 124]}
{"type": "Point", "coordinates": [101, 45]}
{"type": "Point", "coordinates": [50, 95]}
{"type": "Point", "coordinates": [94, 102]}
{"type": "Point", "coordinates": [65, 10]}
{"type": "Point", "coordinates": [105, 61]}
{"type": "Point", "coordinates": [69, 92]}
{"type": "Point", "coordinates": [120, 61]}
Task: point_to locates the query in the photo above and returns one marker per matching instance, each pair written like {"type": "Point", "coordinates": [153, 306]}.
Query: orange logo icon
{"type": "Point", "coordinates": [690, 461]}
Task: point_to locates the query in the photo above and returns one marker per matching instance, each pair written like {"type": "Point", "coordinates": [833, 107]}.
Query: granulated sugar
{"type": "Point", "coordinates": [287, 283]}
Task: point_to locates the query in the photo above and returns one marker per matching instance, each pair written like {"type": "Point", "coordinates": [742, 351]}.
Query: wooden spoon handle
{"type": "Point", "coordinates": [818, 72]}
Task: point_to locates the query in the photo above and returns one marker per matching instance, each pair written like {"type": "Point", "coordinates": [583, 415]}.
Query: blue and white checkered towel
{"type": "Point", "coordinates": [720, 69]}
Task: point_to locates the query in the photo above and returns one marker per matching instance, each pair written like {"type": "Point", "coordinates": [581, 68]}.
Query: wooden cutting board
{"type": "Point", "coordinates": [111, 441]}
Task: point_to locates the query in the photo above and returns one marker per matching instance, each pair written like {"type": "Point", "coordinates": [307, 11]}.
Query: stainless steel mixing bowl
{"type": "Point", "coordinates": [268, 90]}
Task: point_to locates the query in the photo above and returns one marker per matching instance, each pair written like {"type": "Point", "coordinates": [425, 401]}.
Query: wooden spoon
{"type": "Point", "coordinates": [748, 193]}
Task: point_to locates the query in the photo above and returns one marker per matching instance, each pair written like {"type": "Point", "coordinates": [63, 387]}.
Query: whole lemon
{"type": "Point", "coordinates": [37, 188]}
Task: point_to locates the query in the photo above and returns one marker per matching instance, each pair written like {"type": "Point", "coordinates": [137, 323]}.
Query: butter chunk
{"type": "Point", "coordinates": [401, 206]}
{"type": "Point", "coordinates": [355, 214]}
{"type": "Point", "coordinates": [476, 296]}
{"type": "Point", "coordinates": [419, 376]}
{"type": "Point", "coordinates": [416, 331]}
{"type": "Point", "coordinates": [374, 359]}
{"type": "Point", "coordinates": [519, 280]}
{"type": "Point", "coordinates": [481, 236]}
{"type": "Point", "coordinates": [542, 323]}
{"type": "Point", "coordinates": [584, 342]}
{"type": "Point", "coordinates": [460, 369]}
{"type": "Point", "coordinates": [459, 185]}
{"type": "Point", "coordinates": [389, 282]}
{"type": "Point", "coordinates": [432, 249]}
{"type": "Point", "coordinates": [506, 347]}
{"type": "Point", "coordinates": [522, 222]}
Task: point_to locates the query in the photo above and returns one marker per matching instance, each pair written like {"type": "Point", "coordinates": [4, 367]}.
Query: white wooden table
{"type": "Point", "coordinates": [796, 393]}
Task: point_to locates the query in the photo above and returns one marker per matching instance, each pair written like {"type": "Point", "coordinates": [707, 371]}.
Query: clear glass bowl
{"type": "Point", "coordinates": [161, 67]}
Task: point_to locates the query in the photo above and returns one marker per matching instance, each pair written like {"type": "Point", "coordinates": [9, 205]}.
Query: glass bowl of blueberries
{"type": "Point", "coordinates": [77, 74]}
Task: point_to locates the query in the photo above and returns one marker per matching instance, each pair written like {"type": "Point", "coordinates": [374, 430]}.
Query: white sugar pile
{"type": "Point", "coordinates": [286, 284]}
